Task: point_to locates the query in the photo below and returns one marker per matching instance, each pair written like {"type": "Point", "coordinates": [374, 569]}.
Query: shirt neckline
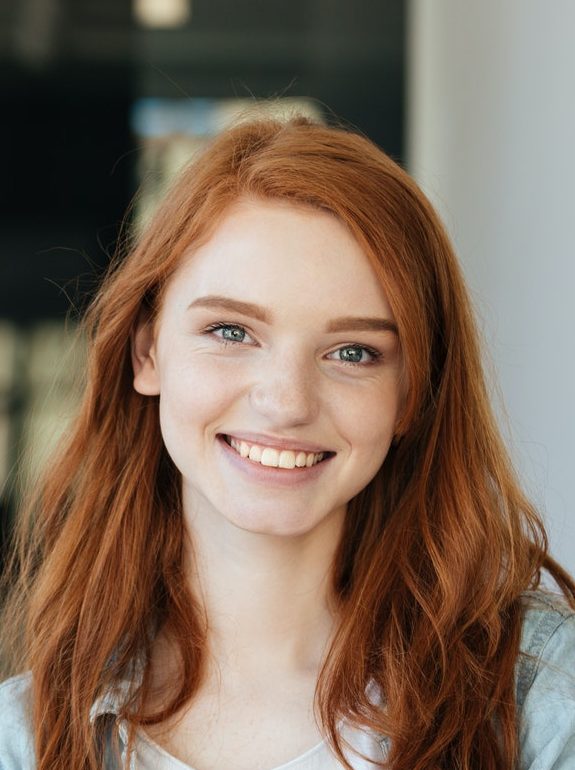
{"type": "Point", "coordinates": [143, 738]}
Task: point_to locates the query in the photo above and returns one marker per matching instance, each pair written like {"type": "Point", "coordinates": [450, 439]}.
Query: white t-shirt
{"type": "Point", "coordinates": [148, 755]}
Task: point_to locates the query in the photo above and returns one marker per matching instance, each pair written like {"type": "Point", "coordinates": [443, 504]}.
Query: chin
{"type": "Point", "coordinates": [274, 528]}
{"type": "Point", "coordinates": [282, 524]}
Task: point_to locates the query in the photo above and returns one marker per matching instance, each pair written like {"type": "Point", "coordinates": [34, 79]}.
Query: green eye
{"type": "Point", "coordinates": [355, 355]}
{"type": "Point", "coordinates": [233, 333]}
{"type": "Point", "coordinates": [225, 333]}
{"type": "Point", "coordinates": [352, 354]}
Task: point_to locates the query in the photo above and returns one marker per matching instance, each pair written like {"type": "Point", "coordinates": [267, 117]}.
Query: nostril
{"type": "Point", "coordinates": [284, 404]}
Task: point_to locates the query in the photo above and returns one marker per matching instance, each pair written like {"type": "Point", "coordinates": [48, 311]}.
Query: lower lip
{"type": "Point", "coordinates": [280, 477]}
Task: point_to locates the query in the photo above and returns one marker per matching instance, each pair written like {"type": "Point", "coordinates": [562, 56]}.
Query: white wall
{"type": "Point", "coordinates": [491, 116]}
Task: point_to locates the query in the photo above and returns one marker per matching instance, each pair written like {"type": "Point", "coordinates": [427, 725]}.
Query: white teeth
{"type": "Point", "coordinates": [287, 459]}
{"type": "Point", "coordinates": [269, 457]}
{"type": "Point", "coordinates": [300, 459]}
{"type": "Point", "coordinates": [255, 454]}
{"type": "Point", "coordinates": [275, 458]}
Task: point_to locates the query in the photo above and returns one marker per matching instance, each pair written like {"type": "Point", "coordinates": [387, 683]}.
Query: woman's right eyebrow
{"type": "Point", "coordinates": [219, 302]}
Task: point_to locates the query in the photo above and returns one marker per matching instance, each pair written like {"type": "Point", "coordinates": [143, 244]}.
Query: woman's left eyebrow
{"type": "Point", "coordinates": [357, 324]}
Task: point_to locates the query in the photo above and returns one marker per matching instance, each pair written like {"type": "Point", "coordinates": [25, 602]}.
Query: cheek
{"type": "Point", "coordinates": [192, 398]}
{"type": "Point", "coordinates": [368, 429]}
{"type": "Point", "coordinates": [369, 422]}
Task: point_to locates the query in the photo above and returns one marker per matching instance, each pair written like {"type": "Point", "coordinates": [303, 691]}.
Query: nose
{"type": "Point", "coordinates": [286, 392]}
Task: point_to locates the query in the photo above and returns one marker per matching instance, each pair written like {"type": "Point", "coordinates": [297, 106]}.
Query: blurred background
{"type": "Point", "coordinates": [103, 98]}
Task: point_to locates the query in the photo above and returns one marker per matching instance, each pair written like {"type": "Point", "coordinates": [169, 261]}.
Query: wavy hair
{"type": "Point", "coordinates": [436, 550]}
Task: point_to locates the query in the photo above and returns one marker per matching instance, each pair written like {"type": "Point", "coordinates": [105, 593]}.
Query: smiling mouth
{"type": "Point", "coordinates": [287, 459]}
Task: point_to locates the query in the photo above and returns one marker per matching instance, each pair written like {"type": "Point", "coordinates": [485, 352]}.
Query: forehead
{"type": "Point", "coordinates": [274, 252]}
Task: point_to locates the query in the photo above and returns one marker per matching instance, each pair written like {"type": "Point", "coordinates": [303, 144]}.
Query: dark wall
{"type": "Point", "coordinates": [68, 77]}
{"type": "Point", "coordinates": [66, 178]}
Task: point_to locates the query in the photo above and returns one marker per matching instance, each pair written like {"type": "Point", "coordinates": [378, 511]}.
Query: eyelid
{"type": "Point", "coordinates": [376, 355]}
{"type": "Point", "coordinates": [228, 325]}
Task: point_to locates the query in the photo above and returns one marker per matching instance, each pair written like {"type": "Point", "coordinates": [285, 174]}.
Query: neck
{"type": "Point", "coordinates": [267, 597]}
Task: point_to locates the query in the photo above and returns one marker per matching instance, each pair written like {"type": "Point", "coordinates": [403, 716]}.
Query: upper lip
{"type": "Point", "coordinates": [276, 442]}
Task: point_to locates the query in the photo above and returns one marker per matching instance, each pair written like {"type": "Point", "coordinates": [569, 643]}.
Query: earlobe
{"type": "Point", "coordinates": [146, 375]}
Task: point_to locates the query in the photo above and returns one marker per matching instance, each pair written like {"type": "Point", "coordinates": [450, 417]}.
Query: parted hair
{"type": "Point", "coordinates": [435, 553]}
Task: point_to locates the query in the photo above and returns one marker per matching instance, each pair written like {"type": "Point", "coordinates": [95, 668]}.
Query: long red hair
{"type": "Point", "coordinates": [436, 550]}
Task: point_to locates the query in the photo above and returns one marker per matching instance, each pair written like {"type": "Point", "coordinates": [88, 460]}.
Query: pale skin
{"type": "Point", "coordinates": [310, 366]}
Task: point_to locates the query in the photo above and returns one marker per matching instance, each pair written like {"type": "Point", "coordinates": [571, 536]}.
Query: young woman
{"type": "Point", "coordinates": [283, 530]}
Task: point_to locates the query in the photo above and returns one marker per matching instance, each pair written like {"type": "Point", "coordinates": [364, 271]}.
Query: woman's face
{"type": "Point", "coordinates": [277, 363]}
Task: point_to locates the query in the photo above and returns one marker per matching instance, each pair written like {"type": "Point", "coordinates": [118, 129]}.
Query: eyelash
{"type": "Point", "coordinates": [375, 355]}
{"type": "Point", "coordinates": [217, 326]}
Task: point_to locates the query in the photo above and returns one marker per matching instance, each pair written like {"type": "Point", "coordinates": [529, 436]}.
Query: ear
{"type": "Point", "coordinates": [144, 364]}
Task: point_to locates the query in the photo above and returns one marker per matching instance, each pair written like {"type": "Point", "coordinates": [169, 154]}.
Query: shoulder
{"type": "Point", "coordinates": [16, 735]}
{"type": "Point", "coordinates": [546, 683]}
{"type": "Point", "coordinates": [16, 739]}
{"type": "Point", "coordinates": [548, 630]}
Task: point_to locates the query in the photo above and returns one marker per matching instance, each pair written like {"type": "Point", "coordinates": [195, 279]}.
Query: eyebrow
{"type": "Point", "coordinates": [345, 323]}
{"type": "Point", "coordinates": [235, 305]}
{"type": "Point", "coordinates": [356, 324]}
